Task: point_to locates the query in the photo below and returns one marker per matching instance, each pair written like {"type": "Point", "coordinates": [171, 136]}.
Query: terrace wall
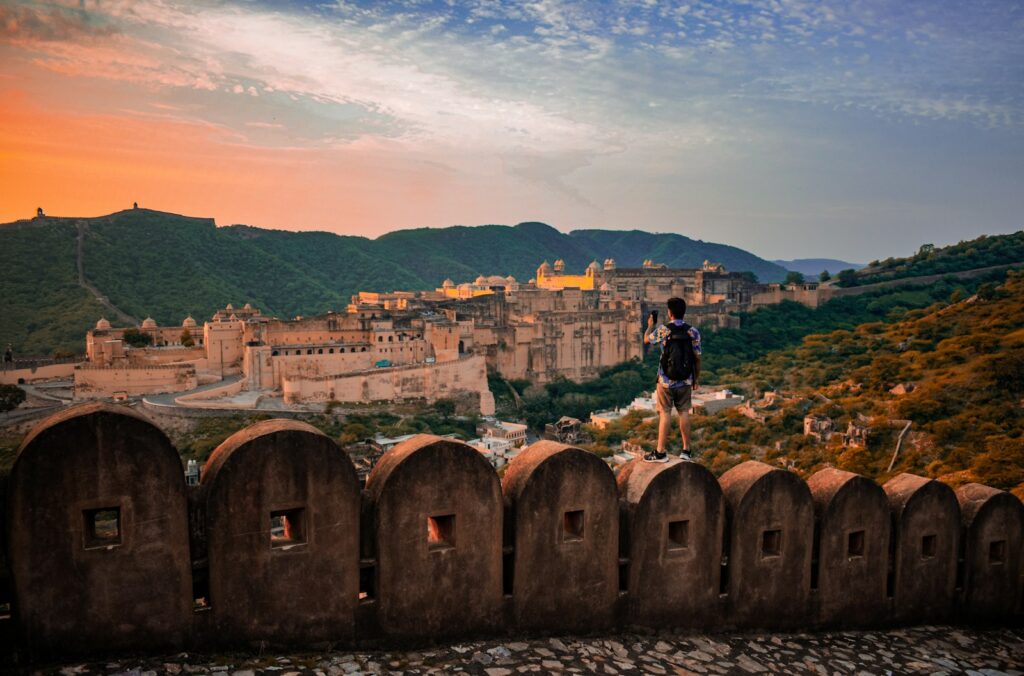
{"type": "Point", "coordinates": [436, 546]}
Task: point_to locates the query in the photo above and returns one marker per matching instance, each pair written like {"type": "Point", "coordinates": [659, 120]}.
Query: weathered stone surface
{"type": "Point", "coordinates": [673, 517]}
{"type": "Point", "coordinates": [451, 585]}
{"type": "Point", "coordinates": [853, 548]}
{"type": "Point", "coordinates": [564, 509]}
{"type": "Point", "coordinates": [771, 531]}
{"type": "Point", "coordinates": [294, 590]}
{"type": "Point", "coordinates": [124, 586]}
{"type": "Point", "coordinates": [926, 529]}
{"type": "Point", "coordinates": [993, 527]}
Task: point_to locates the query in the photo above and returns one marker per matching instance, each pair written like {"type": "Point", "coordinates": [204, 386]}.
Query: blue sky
{"type": "Point", "coordinates": [791, 128]}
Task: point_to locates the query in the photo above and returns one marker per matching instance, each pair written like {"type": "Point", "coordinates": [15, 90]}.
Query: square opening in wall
{"type": "Point", "coordinates": [102, 527]}
{"type": "Point", "coordinates": [441, 531]}
{"type": "Point", "coordinates": [200, 589]}
{"type": "Point", "coordinates": [367, 582]}
{"type": "Point", "coordinates": [771, 543]}
{"type": "Point", "coordinates": [572, 526]}
{"type": "Point", "coordinates": [287, 528]}
{"type": "Point", "coordinates": [928, 547]}
{"type": "Point", "coordinates": [678, 535]}
{"type": "Point", "coordinates": [997, 552]}
{"type": "Point", "coordinates": [855, 544]}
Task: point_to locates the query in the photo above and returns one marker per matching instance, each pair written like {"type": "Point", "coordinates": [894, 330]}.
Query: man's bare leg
{"type": "Point", "coordinates": [664, 429]}
{"type": "Point", "coordinates": [684, 429]}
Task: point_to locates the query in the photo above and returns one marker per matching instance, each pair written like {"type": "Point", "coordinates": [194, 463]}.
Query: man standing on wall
{"type": "Point", "coordinates": [678, 374]}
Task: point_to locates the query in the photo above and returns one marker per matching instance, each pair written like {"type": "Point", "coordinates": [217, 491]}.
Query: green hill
{"type": "Point", "coordinates": [985, 251]}
{"type": "Point", "coordinates": [151, 263]}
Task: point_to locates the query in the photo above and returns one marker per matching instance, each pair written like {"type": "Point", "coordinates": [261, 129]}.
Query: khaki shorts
{"type": "Point", "coordinates": [668, 398]}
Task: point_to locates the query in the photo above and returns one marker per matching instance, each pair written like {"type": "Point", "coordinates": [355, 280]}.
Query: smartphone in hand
{"type": "Point", "coordinates": [654, 314]}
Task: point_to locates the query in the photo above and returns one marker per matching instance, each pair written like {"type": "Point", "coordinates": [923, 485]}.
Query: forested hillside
{"type": "Point", "coordinates": [985, 251]}
{"type": "Point", "coordinates": [43, 305]}
{"type": "Point", "coordinates": [150, 263]}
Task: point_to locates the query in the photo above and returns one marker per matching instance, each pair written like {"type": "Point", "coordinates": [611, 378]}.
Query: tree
{"type": "Point", "coordinates": [186, 338]}
{"type": "Point", "coordinates": [793, 277]}
{"type": "Point", "coordinates": [847, 277]}
{"type": "Point", "coordinates": [824, 276]}
{"type": "Point", "coordinates": [11, 397]}
{"type": "Point", "coordinates": [749, 276]}
{"type": "Point", "coordinates": [1002, 465]}
{"type": "Point", "coordinates": [445, 408]}
{"type": "Point", "coordinates": [537, 407]}
{"type": "Point", "coordinates": [988, 291]}
{"type": "Point", "coordinates": [137, 338]}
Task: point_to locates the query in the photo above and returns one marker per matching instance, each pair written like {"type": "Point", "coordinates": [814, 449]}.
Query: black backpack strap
{"type": "Point", "coordinates": [676, 331]}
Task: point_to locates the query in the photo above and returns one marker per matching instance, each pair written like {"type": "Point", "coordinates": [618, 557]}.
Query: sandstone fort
{"type": "Point", "coordinates": [417, 345]}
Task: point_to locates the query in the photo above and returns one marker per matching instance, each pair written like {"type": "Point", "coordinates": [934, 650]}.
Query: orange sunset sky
{"type": "Point", "coordinates": [853, 130]}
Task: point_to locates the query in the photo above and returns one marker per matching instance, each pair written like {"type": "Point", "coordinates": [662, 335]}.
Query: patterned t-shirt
{"type": "Point", "coordinates": [659, 336]}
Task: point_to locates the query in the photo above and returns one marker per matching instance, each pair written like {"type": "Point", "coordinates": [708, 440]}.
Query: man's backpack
{"type": "Point", "coordinates": [677, 357]}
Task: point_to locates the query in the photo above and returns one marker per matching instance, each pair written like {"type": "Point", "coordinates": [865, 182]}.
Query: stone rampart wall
{"type": "Point", "coordinates": [426, 381]}
{"type": "Point", "coordinates": [280, 544]}
{"type": "Point", "coordinates": [28, 375]}
{"type": "Point", "coordinates": [93, 381]}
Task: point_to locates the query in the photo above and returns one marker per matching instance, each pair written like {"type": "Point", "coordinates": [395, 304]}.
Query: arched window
{"type": "Point", "coordinates": [309, 351]}
{"type": "Point", "coordinates": [274, 353]}
{"type": "Point", "coordinates": [320, 351]}
{"type": "Point", "coordinates": [330, 351]}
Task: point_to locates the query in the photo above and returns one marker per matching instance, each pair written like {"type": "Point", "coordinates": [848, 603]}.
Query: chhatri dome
{"type": "Point", "coordinates": [149, 323]}
{"type": "Point", "coordinates": [103, 324]}
{"type": "Point", "coordinates": [247, 306]}
{"type": "Point", "coordinates": [188, 322]}
{"type": "Point", "coordinates": [230, 307]}
{"type": "Point", "coordinates": [559, 265]}
{"type": "Point", "coordinates": [481, 281]}
{"type": "Point", "coordinates": [593, 266]}
{"type": "Point", "coordinates": [447, 284]}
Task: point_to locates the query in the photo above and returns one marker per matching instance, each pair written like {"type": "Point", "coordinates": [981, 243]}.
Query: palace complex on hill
{"type": "Point", "coordinates": [421, 345]}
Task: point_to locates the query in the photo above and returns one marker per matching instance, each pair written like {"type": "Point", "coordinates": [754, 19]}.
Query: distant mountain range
{"type": "Point", "coordinates": [151, 263]}
{"type": "Point", "coordinates": [812, 267]}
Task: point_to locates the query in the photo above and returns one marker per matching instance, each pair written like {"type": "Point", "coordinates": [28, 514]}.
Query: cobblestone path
{"type": "Point", "coordinates": [931, 650]}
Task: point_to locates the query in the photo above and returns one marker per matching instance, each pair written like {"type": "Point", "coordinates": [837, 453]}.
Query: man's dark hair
{"type": "Point", "coordinates": [677, 306]}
